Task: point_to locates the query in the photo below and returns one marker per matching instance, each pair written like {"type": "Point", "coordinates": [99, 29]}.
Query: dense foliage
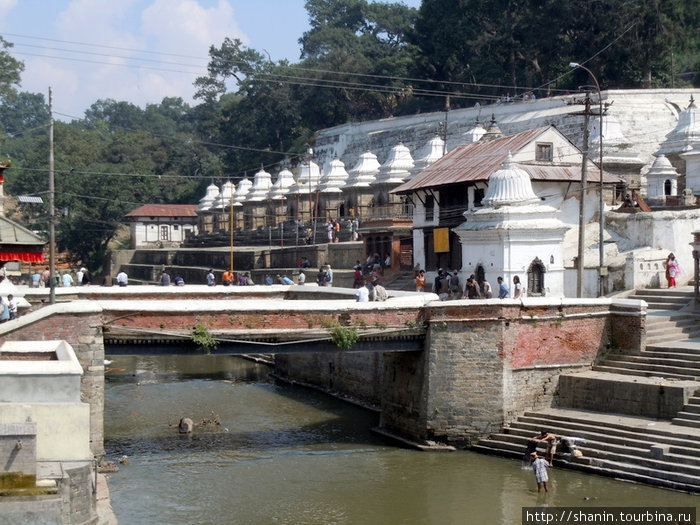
{"type": "Point", "coordinates": [359, 60]}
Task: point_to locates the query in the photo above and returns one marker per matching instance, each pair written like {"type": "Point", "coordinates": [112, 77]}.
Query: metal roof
{"type": "Point", "coordinates": [477, 161]}
{"type": "Point", "coordinates": [12, 234]}
{"type": "Point", "coordinates": [164, 210]}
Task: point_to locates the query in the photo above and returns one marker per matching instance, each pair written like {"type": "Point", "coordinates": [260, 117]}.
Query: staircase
{"type": "Point", "coordinates": [664, 327]}
{"type": "Point", "coordinates": [665, 453]}
{"type": "Point", "coordinates": [403, 281]}
{"type": "Point", "coordinates": [631, 448]}
{"type": "Point", "coordinates": [663, 299]}
{"type": "Point", "coordinates": [690, 415]}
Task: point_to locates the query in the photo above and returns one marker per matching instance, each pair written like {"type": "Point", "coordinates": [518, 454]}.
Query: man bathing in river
{"type": "Point", "coordinates": [539, 467]}
{"type": "Point", "coordinates": [550, 440]}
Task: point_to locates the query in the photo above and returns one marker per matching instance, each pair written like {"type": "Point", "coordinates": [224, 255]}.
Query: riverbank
{"type": "Point", "coordinates": [105, 513]}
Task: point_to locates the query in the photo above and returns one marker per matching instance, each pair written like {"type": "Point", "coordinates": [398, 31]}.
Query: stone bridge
{"type": "Point", "coordinates": [444, 371]}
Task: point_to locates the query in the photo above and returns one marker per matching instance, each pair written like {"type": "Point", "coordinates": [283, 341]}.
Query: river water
{"type": "Point", "coordinates": [284, 454]}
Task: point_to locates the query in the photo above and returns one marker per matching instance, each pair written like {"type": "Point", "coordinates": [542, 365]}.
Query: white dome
{"type": "Point", "coordinates": [662, 167]}
{"type": "Point", "coordinates": [285, 180]}
{"type": "Point", "coordinates": [433, 150]}
{"type": "Point", "coordinates": [397, 167]}
{"type": "Point", "coordinates": [242, 191]}
{"type": "Point", "coordinates": [262, 182]}
{"type": "Point", "coordinates": [334, 178]}
{"type": "Point", "coordinates": [206, 202]}
{"type": "Point", "coordinates": [364, 172]}
{"type": "Point", "coordinates": [686, 135]}
{"type": "Point", "coordinates": [225, 197]}
{"type": "Point", "coordinates": [308, 179]}
{"type": "Point", "coordinates": [510, 186]}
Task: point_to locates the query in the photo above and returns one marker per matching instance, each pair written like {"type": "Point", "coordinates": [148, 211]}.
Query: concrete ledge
{"type": "Point", "coordinates": [653, 397]}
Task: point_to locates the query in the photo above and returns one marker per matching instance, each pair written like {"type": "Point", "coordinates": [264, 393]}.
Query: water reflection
{"type": "Point", "coordinates": [288, 455]}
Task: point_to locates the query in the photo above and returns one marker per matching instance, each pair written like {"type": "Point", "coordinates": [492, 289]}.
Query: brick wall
{"type": "Point", "coordinates": [485, 364]}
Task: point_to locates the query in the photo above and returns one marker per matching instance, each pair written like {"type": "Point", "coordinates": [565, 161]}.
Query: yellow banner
{"type": "Point", "coordinates": [441, 240]}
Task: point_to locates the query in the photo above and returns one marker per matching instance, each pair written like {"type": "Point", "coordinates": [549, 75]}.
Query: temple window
{"type": "Point", "coordinates": [543, 152]}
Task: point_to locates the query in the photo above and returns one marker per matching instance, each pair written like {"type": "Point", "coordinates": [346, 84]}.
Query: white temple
{"type": "Point", "coordinates": [513, 234]}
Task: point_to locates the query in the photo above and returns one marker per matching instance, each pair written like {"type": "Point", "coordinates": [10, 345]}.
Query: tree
{"type": "Point", "coordinates": [485, 47]}
{"type": "Point", "coordinates": [10, 72]}
{"type": "Point", "coordinates": [23, 113]}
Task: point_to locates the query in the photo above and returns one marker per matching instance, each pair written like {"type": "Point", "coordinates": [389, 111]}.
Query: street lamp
{"type": "Point", "coordinates": [601, 251]}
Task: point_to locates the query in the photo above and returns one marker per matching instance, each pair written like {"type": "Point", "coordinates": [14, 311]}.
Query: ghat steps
{"type": "Point", "coordinates": [664, 299]}
{"type": "Point", "coordinates": [631, 448]}
{"type": "Point", "coordinates": [664, 453]}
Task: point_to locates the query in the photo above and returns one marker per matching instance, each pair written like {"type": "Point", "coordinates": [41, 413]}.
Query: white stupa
{"type": "Point", "coordinates": [364, 172]}
{"type": "Point", "coordinates": [513, 234]}
{"type": "Point", "coordinates": [206, 202]}
{"type": "Point", "coordinates": [242, 191]}
{"type": "Point", "coordinates": [432, 151]}
{"type": "Point", "coordinates": [686, 135]}
{"type": "Point", "coordinates": [334, 178]}
{"type": "Point", "coordinates": [397, 167]}
{"type": "Point", "coordinates": [662, 176]}
{"type": "Point", "coordinates": [279, 190]}
{"type": "Point", "coordinates": [262, 183]}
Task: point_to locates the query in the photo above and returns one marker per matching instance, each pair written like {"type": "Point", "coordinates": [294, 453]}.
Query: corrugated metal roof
{"type": "Point", "coordinates": [164, 210]}
{"type": "Point", "coordinates": [12, 234]}
{"type": "Point", "coordinates": [477, 161]}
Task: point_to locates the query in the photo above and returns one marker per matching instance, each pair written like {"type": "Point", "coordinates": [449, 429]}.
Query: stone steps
{"type": "Point", "coordinates": [671, 328]}
{"type": "Point", "coordinates": [653, 367]}
{"type": "Point", "coordinates": [403, 281]}
{"type": "Point", "coordinates": [690, 415]}
{"type": "Point", "coordinates": [669, 353]}
{"type": "Point", "coordinates": [663, 299]}
{"type": "Point", "coordinates": [623, 368]}
{"type": "Point", "coordinates": [617, 446]}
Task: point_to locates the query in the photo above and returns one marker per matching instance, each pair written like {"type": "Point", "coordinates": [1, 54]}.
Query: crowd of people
{"type": "Point", "coordinates": [448, 287]}
{"type": "Point", "coordinates": [366, 278]}
{"type": "Point", "coordinates": [64, 278]}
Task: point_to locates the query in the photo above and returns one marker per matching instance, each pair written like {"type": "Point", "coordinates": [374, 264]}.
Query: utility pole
{"type": "Point", "coordinates": [231, 227]}
{"type": "Point", "coordinates": [602, 269]}
{"type": "Point", "coordinates": [581, 210]}
{"type": "Point", "coordinates": [444, 128]}
{"type": "Point", "coordinates": [52, 211]}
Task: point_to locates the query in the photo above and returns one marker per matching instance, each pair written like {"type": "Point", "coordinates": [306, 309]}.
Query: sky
{"type": "Point", "coordinates": [138, 51]}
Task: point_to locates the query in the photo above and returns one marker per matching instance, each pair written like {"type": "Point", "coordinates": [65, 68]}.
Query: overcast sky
{"type": "Point", "coordinates": [138, 50]}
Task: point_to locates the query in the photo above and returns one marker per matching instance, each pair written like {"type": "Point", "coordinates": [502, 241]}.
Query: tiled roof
{"type": "Point", "coordinates": [477, 161]}
{"type": "Point", "coordinates": [164, 210]}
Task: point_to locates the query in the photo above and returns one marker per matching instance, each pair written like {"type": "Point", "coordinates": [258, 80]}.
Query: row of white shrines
{"type": "Point", "coordinates": [507, 192]}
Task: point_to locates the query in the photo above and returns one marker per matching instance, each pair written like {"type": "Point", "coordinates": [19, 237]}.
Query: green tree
{"type": "Point", "coordinates": [10, 72]}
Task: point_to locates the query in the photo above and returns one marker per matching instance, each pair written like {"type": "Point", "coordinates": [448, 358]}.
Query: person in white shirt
{"type": "Point", "coordinates": [517, 288]}
{"type": "Point", "coordinates": [66, 280]}
{"type": "Point", "coordinates": [12, 306]}
{"type": "Point", "coordinates": [122, 279]}
{"type": "Point", "coordinates": [302, 278]}
{"type": "Point", "coordinates": [362, 294]}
